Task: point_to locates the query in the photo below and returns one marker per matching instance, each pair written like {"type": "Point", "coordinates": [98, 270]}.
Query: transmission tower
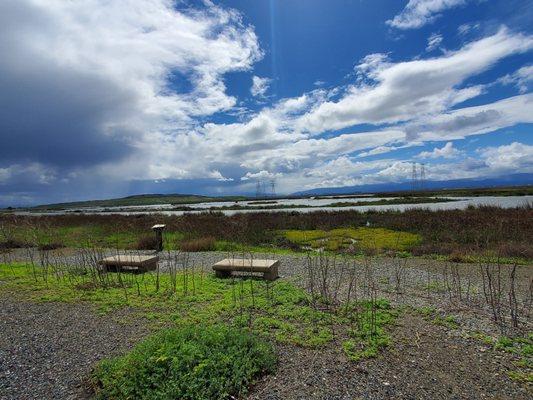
{"type": "Point", "coordinates": [423, 176]}
{"type": "Point", "coordinates": [273, 187]}
{"type": "Point", "coordinates": [414, 178]}
{"type": "Point", "coordinates": [258, 188]}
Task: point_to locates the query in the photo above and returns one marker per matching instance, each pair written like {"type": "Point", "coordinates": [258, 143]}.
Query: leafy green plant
{"type": "Point", "coordinates": [192, 362]}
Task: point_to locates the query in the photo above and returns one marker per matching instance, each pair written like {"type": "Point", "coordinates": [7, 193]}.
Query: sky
{"type": "Point", "coordinates": [106, 98]}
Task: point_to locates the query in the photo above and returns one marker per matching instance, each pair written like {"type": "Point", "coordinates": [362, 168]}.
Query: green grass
{"type": "Point", "coordinates": [522, 348]}
{"type": "Point", "coordinates": [279, 310]}
{"type": "Point", "coordinates": [466, 192]}
{"type": "Point", "coordinates": [360, 238]}
{"type": "Point", "coordinates": [367, 338]}
{"type": "Point", "coordinates": [192, 362]}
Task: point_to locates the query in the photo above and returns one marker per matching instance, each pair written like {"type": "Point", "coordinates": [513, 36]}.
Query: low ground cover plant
{"type": "Point", "coordinates": [280, 310]}
{"type": "Point", "coordinates": [193, 362]}
{"type": "Point", "coordinates": [362, 238]}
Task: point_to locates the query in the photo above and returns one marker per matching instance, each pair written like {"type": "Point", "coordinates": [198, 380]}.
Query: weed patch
{"type": "Point", "coordinates": [368, 334]}
{"type": "Point", "coordinates": [192, 362]}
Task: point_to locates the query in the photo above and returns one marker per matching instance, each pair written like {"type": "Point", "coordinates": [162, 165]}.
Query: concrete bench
{"type": "Point", "coordinates": [269, 268]}
{"type": "Point", "coordinates": [133, 263]}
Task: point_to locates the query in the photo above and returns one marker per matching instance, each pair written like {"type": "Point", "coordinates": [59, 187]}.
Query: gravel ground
{"type": "Point", "coordinates": [425, 362]}
{"type": "Point", "coordinates": [48, 349]}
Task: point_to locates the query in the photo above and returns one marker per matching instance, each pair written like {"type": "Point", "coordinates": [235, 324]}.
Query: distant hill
{"type": "Point", "coordinates": [509, 180]}
{"type": "Point", "coordinates": [524, 180]}
{"type": "Point", "coordinates": [139, 200]}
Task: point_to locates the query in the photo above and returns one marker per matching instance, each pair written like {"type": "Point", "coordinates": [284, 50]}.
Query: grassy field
{"type": "Point", "coordinates": [463, 235]}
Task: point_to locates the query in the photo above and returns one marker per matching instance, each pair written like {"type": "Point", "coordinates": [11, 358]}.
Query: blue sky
{"type": "Point", "coordinates": [110, 98]}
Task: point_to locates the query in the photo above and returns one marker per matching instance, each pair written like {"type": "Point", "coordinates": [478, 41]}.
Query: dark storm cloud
{"type": "Point", "coordinates": [59, 117]}
{"type": "Point", "coordinates": [50, 113]}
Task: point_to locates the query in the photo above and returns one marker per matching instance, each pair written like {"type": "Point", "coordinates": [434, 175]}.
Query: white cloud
{"type": "Point", "coordinates": [376, 151]}
{"type": "Point", "coordinates": [492, 162]}
{"type": "Point", "coordinates": [259, 86]}
{"type": "Point", "coordinates": [278, 138]}
{"type": "Point", "coordinates": [522, 78]}
{"type": "Point", "coordinates": [406, 90]}
{"type": "Point", "coordinates": [261, 175]}
{"type": "Point", "coordinates": [305, 153]}
{"type": "Point", "coordinates": [468, 121]}
{"type": "Point", "coordinates": [26, 173]}
{"type": "Point", "coordinates": [215, 174]}
{"type": "Point", "coordinates": [343, 171]}
{"type": "Point", "coordinates": [434, 41]}
{"type": "Point", "coordinates": [515, 158]}
{"type": "Point", "coordinates": [448, 151]}
{"type": "Point", "coordinates": [5, 174]}
{"type": "Point", "coordinates": [466, 28]}
{"type": "Point", "coordinates": [418, 13]}
{"type": "Point", "coordinates": [371, 65]}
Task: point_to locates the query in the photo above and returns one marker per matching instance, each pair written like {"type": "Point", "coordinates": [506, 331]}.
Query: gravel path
{"type": "Point", "coordinates": [47, 350]}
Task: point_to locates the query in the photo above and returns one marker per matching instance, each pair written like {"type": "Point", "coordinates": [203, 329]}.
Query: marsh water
{"type": "Point", "coordinates": [307, 205]}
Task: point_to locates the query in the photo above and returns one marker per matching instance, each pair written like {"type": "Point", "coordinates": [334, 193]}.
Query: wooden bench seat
{"type": "Point", "coordinates": [269, 268]}
{"type": "Point", "coordinates": [135, 262]}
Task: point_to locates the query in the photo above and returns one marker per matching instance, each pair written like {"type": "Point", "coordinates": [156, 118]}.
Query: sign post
{"type": "Point", "coordinates": [158, 229]}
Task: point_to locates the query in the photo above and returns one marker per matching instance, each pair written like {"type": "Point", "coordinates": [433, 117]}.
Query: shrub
{"type": "Point", "coordinates": [193, 362]}
{"type": "Point", "coordinates": [148, 242]}
{"type": "Point", "coordinates": [13, 244]}
{"type": "Point", "coordinates": [50, 246]}
{"type": "Point", "coordinates": [201, 244]}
